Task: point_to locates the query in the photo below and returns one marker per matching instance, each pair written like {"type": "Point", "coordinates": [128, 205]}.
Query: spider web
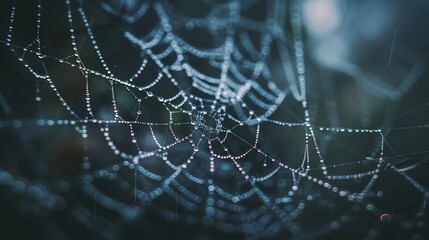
{"type": "Point", "coordinates": [207, 115]}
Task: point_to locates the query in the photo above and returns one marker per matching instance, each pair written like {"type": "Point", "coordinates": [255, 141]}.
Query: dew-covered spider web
{"type": "Point", "coordinates": [214, 119]}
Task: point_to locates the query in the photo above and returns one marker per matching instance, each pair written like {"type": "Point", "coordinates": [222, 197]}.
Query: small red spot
{"type": "Point", "coordinates": [384, 217]}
